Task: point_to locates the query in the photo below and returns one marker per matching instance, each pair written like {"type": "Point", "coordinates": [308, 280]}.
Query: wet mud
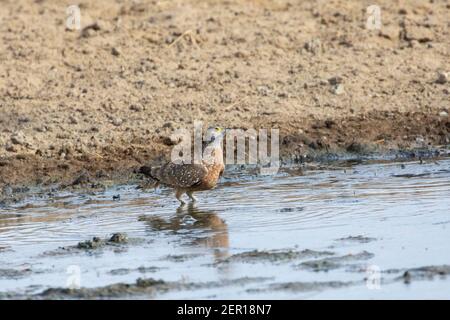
{"type": "Point", "coordinates": [335, 229]}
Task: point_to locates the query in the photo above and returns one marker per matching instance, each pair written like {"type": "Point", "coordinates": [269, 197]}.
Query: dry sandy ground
{"type": "Point", "coordinates": [102, 99]}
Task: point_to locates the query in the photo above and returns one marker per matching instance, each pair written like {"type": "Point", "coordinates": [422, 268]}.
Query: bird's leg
{"type": "Point", "coordinates": [191, 196]}
{"type": "Point", "coordinates": [178, 195]}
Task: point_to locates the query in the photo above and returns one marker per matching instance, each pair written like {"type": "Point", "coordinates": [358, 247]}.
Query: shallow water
{"type": "Point", "coordinates": [383, 218]}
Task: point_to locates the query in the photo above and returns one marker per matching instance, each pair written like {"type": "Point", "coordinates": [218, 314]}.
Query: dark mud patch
{"type": "Point", "coordinates": [274, 256]}
{"type": "Point", "coordinates": [12, 194]}
{"type": "Point", "coordinates": [147, 287]}
{"type": "Point", "coordinates": [15, 273]}
{"type": "Point", "coordinates": [425, 273]}
{"type": "Point", "coordinates": [296, 209]}
{"type": "Point", "coordinates": [117, 242]}
{"type": "Point", "coordinates": [124, 271]}
{"type": "Point", "coordinates": [303, 286]}
{"type": "Point", "coordinates": [182, 257]}
{"type": "Point", "coordinates": [96, 242]}
{"type": "Point", "coordinates": [412, 175]}
{"type": "Point", "coordinates": [357, 239]}
{"type": "Point", "coordinates": [327, 264]}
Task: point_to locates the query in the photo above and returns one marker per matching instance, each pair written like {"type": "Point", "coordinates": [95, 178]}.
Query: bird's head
{"type": "Point", "coordinates": [214, 135]}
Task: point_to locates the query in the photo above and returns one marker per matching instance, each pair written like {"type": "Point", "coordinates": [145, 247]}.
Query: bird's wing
{"type": "Point", "coordinates": [180, 175]}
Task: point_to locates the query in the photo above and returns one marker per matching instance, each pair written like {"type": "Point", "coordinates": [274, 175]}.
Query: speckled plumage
{"type": "Point", "coordinates": [189, 178]}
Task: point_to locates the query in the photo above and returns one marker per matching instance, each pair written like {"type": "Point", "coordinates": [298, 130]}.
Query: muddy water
{"type": "Point", "coordinates": [378, 230]}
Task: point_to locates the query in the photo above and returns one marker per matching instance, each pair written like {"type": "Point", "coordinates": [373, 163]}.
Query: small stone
{"type": "Point", "coordinates": [115, 52]}
{"type": "Point", "coordinates": [242, 54]}
{"type": "Point", "coordinates": [117, 122]}
{"type": "Point", "coordinates": [414, 43]}
{"type": "Point", "coordinates": [23, 119]}
{"type": "Point", "coordinates": [118, 238]}
{"type": "Point", "coordinates": [335, 80]}
{"type": "Point", "coordinates": [338, 89]}
{"type": "Point", "coordinates": [18, 138]}
{"type": "Point", "coordinates": [40, 129]}
{"type": "Point", "coordinates": [169, 141]}
{"type": "Point", "coordinates": [62, 135]}
{"type": "Point", "coordinates": [420, 139]}
{"type": "Point", "coordinates": [90, 244]}
{"type": "Point", "coordinates": [10, 148]}
{"type": "Point", "coordinates": [136, 107]}
{"type": "Point", "coordinates": [443, 114]}
{"type": "Point", "coordinates": [313, 46]}
{"type": "Point", "coordinates": [73, 120]}
{"type": "Point", "coordinates": [263, 90]}
{"type": "Point", "coordinates": [89, 30]}
{"type": "Point", "coordinates": [168, 125]}
{"type": "Point", "coordinates": [442, 77]}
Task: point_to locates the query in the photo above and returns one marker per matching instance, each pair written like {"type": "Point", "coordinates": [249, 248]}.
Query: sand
{"type": "Point", "coordinates": [102, 100]}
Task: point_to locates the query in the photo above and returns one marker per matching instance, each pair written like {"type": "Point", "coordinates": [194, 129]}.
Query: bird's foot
{"type": "Point", "coordinates": [191, 196]}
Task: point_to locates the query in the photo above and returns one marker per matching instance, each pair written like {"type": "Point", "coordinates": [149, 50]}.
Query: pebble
{"type": "Point", "coordinates": [313, 46]}
{"type": "Point", "coordinates": [263, 90]}
{"type": "Point", "coordinates": [242, 54]}
{"type": "Point", "coordinates": [23, 119]}
{"type": "Point", "coordinates": [169, 141]}
{"type": "Point", "coordinates": [420, 139]}
{"type": "Point", "coordinates": [73, 120]}
{"type": "Point", "coordinates": [89, 30]}
{"type": "Point", "coordinates": [18, 138]}
{"type": "Point", "coordinates": [338, 89]}
{"type": "Point", "coordinates": [168, 125]}
{"type": "Point", "coordinates": [442, 77]}
{"type": "Point", "coordinates": [115, 52]}
{"type": "Point", "coordinates": [117, 122]}
{"type": "Point", "coordinates": [62, 135]}
{"type": "Point", "coordinates": [443, 114]}
{"type": "Point", "coordinates": [335, 80]}
{"type": "Point", "coordinates": [136, 107]}
{"type": "Point", "coordinates": [118, 238]}
{"type": "Point", "coordinates": [10, 148]}
{"type": "Point", "coordinates": [40, 129]}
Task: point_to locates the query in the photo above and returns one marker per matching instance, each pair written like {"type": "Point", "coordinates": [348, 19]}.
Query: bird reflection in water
{"type": "Point", "coordinates": [207, 228]}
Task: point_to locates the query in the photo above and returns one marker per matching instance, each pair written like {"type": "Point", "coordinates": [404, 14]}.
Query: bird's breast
{"type": "Point", "coordinates": [209, 181]}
